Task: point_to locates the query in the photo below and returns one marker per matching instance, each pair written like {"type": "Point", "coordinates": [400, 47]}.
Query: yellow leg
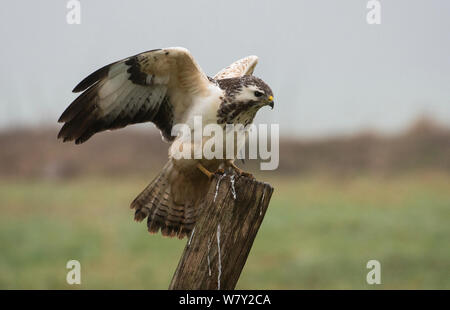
{"type": "Point", "coordinates": [208, 173]}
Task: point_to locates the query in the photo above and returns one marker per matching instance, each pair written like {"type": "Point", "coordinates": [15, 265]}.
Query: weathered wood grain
{"type": "Point", "coordinates": [227, 224]}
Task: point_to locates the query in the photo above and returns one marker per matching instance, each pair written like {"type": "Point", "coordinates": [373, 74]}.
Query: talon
{"type": "Point", "coordinates": [220, 171]}
{"type": "Point", "coordinates": [247, 174]}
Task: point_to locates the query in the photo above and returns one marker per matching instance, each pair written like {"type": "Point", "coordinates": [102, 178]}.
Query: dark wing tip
{"type": "Point", "coordinates": [63, 135]}
{"type": "Point", "coordinates": [101, 73]}
{"type": "Point", "coordinates": [63, 138]}
{"type": "Point", "coordinates": [93, 77]}
{"type": "Point", "coordinates": [61, 119]}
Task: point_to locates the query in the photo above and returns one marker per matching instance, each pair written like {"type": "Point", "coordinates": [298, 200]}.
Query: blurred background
{"type": "Point", "coordinates": [364, 115]}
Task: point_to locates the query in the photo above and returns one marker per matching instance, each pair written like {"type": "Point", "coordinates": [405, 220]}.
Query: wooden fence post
{"type": "Point", "coordinates": [228, 221]}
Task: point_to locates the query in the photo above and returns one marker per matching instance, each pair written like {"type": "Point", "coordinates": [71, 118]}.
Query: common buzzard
{"type": "Point", "coordinates": [167, 87]}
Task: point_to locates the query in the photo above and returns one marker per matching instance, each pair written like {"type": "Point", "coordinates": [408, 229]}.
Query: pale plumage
{"type": "Point", "coordinates": [166, 87]}
{"type": "Point", "coordinates": [244, 66]}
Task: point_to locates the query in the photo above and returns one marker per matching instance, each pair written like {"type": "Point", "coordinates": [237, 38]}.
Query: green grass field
{"type": "Point", "coordinates": [318, 233]}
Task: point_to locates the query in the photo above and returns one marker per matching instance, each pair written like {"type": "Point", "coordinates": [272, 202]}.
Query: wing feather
{"type": "Point", "coordinates": [134, 90]}
{"type": "Point", "coordinates": [241, 67]}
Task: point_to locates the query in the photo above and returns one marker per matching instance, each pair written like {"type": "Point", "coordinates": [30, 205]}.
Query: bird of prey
{"type": "Point", "coordinates": [167, 87]}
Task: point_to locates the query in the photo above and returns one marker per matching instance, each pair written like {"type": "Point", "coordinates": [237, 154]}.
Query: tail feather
{"type": "Point", "coordinates": [156, 203]}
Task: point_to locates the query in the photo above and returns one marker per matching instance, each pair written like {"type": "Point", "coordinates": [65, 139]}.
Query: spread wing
{"type": "Point", "coordinates": [156, 86]}
{"type": "Point", "coordinates": [244, 66]}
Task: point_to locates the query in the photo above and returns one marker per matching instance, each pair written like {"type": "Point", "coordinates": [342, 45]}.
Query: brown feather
{"type": "Point", "coordinates": [156, 203]}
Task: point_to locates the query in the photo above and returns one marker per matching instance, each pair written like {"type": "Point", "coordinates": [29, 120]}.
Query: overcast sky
{"type": "Point", "coordinates": [331, 72]}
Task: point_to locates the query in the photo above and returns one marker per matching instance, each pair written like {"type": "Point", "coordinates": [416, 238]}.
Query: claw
{"type": "Point", "coordinates": [247, 174]}
{"type": "Point", "coordinates": [220, 171]}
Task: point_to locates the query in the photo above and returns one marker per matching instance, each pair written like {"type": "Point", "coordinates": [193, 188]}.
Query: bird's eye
{"type": "Point", "coordinates": [258, 94]}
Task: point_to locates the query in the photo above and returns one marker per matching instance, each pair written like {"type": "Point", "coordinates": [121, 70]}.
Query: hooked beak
{"type": "Point", "coordinates": [270, 102]}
